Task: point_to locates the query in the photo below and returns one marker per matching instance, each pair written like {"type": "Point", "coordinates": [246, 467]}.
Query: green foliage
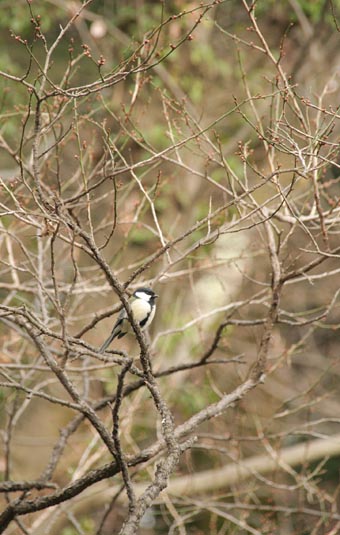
{"type": "Point", "coordinates": [219, 175]}
{"type": "Point", "coordinates": [109, 380]}
{"type": "Point", "coordinates": [148, 16]}
{"type": "Point", "coordinates": [85, 207]}
{"type": "Point", "coordinates": [155, 134]}
{"type": "Point", "coordinates": [313, 9]}
{"type": "Point", "coordinates": [17, 17]}
{"type": "Point", "coordinates": [140, 236]}
{"type": "Point", "coordinates": [87, 525]}
{"type": "Point", "coordinates": [330, 470]}
{"type": "Point", "coordinates": [194, 88]}
{"type": "Point", "coordinates": [188, 402]}
{"type": "Point", "coordinates": [3, 397]}
{"type": "Point", "coordinates": [203, 58]}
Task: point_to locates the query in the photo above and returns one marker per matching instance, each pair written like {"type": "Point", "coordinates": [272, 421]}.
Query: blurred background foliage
{"type": "Point", "coordinates": [199, 84]}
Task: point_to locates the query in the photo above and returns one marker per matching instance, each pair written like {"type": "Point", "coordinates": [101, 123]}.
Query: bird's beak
{"type": "Point", "coordinates": [156, 295]}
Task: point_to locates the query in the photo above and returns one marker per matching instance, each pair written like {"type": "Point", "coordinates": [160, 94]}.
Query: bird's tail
{"type": "Point", "coordinates": [108, 341]}
{"type": "Point", "coordinates": [117, 332]}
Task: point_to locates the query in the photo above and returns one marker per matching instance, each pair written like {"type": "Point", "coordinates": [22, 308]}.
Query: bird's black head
{"type": "Point", "coordinates": [145, 293]}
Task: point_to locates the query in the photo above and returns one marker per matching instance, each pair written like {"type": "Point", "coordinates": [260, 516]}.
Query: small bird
{"type": "Point", "coordinates": [143, 308]}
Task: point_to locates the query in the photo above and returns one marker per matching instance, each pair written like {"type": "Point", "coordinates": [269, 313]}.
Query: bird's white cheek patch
{"type": "Point", "coordinates": [143, 295]}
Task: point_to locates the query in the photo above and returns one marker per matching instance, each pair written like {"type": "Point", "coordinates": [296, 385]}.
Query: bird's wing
{"type": "Point", "coordinates": [118, 330]}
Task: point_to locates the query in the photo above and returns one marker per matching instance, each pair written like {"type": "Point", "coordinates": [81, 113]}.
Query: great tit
{"type": "Point", "coordinates": [143, 308]}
